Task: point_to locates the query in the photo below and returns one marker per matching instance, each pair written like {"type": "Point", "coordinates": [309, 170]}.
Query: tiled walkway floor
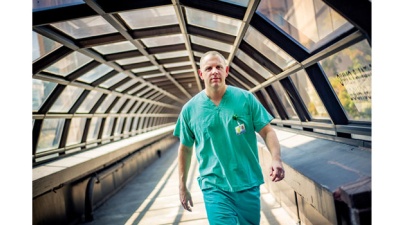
{"type": "Point", "coordinates": [152, 198]}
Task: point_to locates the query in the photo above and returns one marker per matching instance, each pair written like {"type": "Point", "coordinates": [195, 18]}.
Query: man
{"type": "Point", "coordinates": [221, 121]}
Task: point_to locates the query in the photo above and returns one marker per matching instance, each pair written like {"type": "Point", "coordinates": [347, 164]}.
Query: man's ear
{"type": "Point", "coordinates": [200, 74]}
{"type": "Point", "coordinates": [227, 70]}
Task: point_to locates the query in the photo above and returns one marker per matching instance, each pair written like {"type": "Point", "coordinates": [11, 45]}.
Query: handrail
{"type": "Point", "coordinates": [96, 178]}
{"type": "Point", "coordinates": [68, 169]}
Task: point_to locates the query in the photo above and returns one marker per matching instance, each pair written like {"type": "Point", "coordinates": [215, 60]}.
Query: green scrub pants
{"type": "Point", "coordinates": [232, 208]}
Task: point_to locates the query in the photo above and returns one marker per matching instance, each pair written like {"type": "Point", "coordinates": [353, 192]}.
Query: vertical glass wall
{"type": "Point", "coordinates": [349, 73]}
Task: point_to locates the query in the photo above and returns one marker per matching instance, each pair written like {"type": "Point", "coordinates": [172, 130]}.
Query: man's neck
{"type": "Point", "coordinates": [216, 95]}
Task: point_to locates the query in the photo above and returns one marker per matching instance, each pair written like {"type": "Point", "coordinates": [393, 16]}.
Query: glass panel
{"type": "Point", "coordinates": [106, 103]}
{"type": "Point", "coordinates": [150, 17]}
{"type": "Point", "coordinates": [211, 43]}
{"type": "Point", "coordinates": [127, 125]}
{"type": "Point", "coordinates": [349, 73]}
{"type": "Point", "coordinates": [107, 127]}
{"type": "Point", "coordinates": [213, 21]}
{"type": "Point", "coordinates": [244, 3]}
{"type": "Point", "coordinates": [285, 100]}
{"type": "Point", "coordinates": [76, 131]}
{"type": "Point", "coordinates": [145, 90]}
{"type": "Point", "coordinates": [272, 107]}
{"type": "Point", "coordinates": [253, 64]}
{"type": "Point", "coordinates": [135, 123]}
{"type": "Point", "coordinates": [181, 71]}
{"type": "Point", "coordinates": [128, 106]}
{"type": "Point", "coordinates": [68, 64]}
{"type": "Point", "coordinates": [42, 45]}
{"type": "Point", "coordinates": [136, 107]}
{"type": "Point", "coordinates": [244, 75]}
{"type": "Point", "coordinates": [309, 95]}
{"type": "Point", "coordinates": [95, 73]}
{"type": "Point", "coordinates": [170, 65]}
{"type": "Point", "coordinates": [51, 4]}
{"type": "Point", "coordinates": [152, 76]}
{"type": "Point", "coordinates": [120, 121]}
{"type": "Point", "coordinates": [137, 88]}
{"type": "Point", "coordinates": [144, 69]}
{"type": "Point", "coordinates": [310, 22]}
{"type": "Point", "coordinates": [150, 95]}
{"type": "Point", "coordinates": [126, 85]}
{"type": "Point", "coordinates": [168, 55]}
{"type": "Point", "coordinates": [123, 46]}
{"type": "Point", "coordinates": [113, 80]}
{"type": "Point", "coordinates": [142, 107]}
{"type": "Point", "coordinates": [85, 27]}
{"type": "Point", "coordinates": [67, 99]}
{"type": "Point", "coordinates": [163, 40]}
{"type": "Point", "coordinates": [50, 134]}
{"type": "Point", "coordinates": [160, 96]}
{"type": "Point", "coordinates": [94, 128]}
{"type": "Point", "coordinates": [268, 48]}
{"type": "Point", "coordinates": [118, 105]}
{"type": "Point", "coordinates": [198, 54]}
{"type": "Point", "coordinates": [40, 91]}
{"type": "Point", "coordinates": [89, 102]}
{"type": "Point", "coordinates": [132, 60]}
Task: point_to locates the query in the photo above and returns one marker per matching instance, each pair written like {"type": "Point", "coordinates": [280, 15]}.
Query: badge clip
{"type": "Point", "coordinates": [240, 128]}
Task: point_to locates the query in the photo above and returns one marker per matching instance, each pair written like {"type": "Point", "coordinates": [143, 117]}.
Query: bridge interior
{"type": "Point", "coordinates": [109, 79]}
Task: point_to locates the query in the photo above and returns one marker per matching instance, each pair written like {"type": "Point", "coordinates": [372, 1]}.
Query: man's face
{"type": "Point", "coordinates": [213, 72]}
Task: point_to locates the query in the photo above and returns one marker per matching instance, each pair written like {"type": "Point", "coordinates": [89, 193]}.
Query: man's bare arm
{"type": "Point", "coordinates": [184, 161]}
{"type": "Point", "coordinates": [271, 140]}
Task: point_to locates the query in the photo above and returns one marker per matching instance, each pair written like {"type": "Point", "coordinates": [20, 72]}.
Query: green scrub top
{"type": "Point", "coordinates": [224, 137]}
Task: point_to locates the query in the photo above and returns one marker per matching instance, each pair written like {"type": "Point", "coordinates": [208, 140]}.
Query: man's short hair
{"type": "Point", "coordinates": [213, 53]}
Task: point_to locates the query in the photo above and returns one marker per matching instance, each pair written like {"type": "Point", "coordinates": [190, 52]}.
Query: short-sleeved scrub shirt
{"type": "Point", "coordinates": [227, 160]}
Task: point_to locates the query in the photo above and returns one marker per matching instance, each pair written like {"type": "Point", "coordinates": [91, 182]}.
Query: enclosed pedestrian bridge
{"type": "Point", "coordinates": [109, 79]}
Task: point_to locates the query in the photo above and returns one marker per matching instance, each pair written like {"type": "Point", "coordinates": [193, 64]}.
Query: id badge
{"type": "Point", "coordinates": [240, 129]}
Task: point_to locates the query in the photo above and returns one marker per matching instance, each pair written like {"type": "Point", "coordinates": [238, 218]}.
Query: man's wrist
{"type": "Point", "coordinates": [182, 187]}
{"type": "Point", "coordinates": [277, 158]}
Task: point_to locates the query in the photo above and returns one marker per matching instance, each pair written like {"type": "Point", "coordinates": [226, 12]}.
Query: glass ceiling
{"type": "Point", "coordinates": [114, 69]}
